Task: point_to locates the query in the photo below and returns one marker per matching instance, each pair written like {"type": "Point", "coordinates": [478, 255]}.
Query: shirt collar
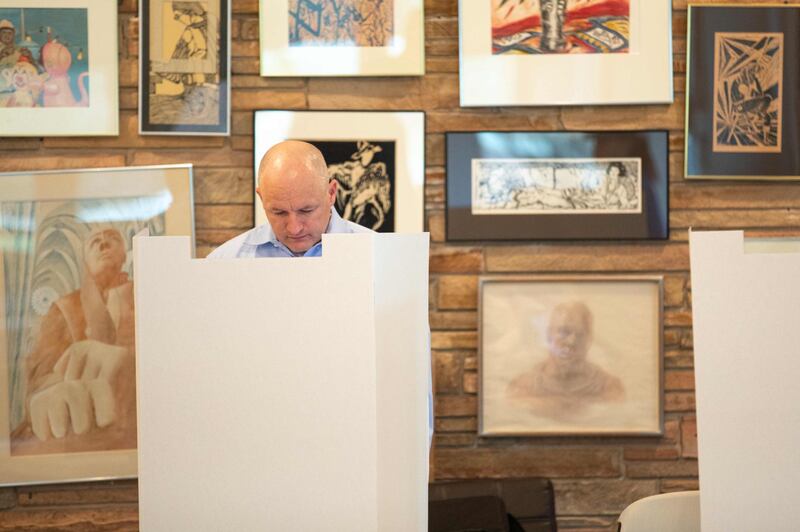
{"type": "Point", "coordinates": [337, 224]}
{"type": "Point", "coordinates": [263, 234]}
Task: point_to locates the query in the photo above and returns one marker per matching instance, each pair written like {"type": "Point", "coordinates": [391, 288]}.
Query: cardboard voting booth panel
{"type": "Point", "coordinates": [284, 394]}
{"type": "Point", "coordinates": [746, 308]}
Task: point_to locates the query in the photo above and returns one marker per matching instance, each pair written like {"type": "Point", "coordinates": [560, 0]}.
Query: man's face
{"type": "Point", "coordinates": [104, 252]}
{"type": "Point", "coordinates": [7, 36]}
{"type": "Point", "coordinates": [298, 209]}
{"type": "Point", "coordinates": [568, 335]}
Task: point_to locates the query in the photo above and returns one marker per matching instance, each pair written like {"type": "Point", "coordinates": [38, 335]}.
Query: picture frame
{"type": "Point", "coordinates": [505, 185]}
{"type": "Point", "coordinates": [378, 158]}
{"type": "Point", "coordinates": [62, 58]}
{"type": "Point", "coordinates": [567, 355]}
{"type": "Point", "coordinates": [599, 52]}
{"type": "Point", "coordinates": [184, 67]}
{"type": "Point", "coordinates": [67, 361]}
{"type": "Point", "coordinates": [742, 103]}
{"type": "Point", "coordinates": [342, 38]}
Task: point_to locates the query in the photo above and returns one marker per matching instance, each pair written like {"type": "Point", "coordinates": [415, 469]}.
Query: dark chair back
{"type": "Point", "coordinates": [468, 514]}
{"type": "Point", "coordinates": [529, 500]}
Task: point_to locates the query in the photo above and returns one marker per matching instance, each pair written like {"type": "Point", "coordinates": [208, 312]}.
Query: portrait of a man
{"type": "Point", "coordinates": [570, 356]}
{"type": "Point", "coordinates": [566, 380]}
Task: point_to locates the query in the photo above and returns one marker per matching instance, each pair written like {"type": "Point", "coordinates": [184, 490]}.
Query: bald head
{"type": "Point", "coordinates": [292, 160]}
{"type": "Point", "coordinates": [572, 311]}
{"type": "Point", "coordinates": [296, 193]}
{"type": "Point", "coordinates": [569, 332]}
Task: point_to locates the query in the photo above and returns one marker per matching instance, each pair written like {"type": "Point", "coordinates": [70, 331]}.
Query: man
{"type": "Point", "coordinates": [10, 53]}
{"type": "Point", "coordinates": [80, 375]}
{"type": "Point", "coordinates": [298, 197]}
{"type": "Point", "coordinates": [7, 34]}
{"type": "Point", "coordinates": [566, 383]}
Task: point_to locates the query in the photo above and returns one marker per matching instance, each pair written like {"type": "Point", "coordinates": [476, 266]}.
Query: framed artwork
{"type": "Point", "coordinates": [742, 102]}
{"type": "Point", "coordinates": [377, 158]}
{"type": "Point", "coordinates": [58, 68]}
{"type": "Point", "coordinates": [570, 355]}
{"type": "Point", "coordinates": [185, 67]}
{"type": "Point", "coordinates": [565, 52]}
{"type": "Point", "coordinates": [67, 357]}
{"type": "Point", "coordinates": [342, 37]}
{"type": "Point", "coordinates": [557, 185]}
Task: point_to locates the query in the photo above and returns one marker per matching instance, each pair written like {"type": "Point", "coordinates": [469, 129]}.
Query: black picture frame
{"type": "Point", "coordinates": [752, 132]}
{"type": "Point", "coordinates": [585, 150]}
{"type": "Point", "coordinates": [193, 102]}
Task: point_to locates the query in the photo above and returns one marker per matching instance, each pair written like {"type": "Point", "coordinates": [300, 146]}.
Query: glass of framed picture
{"type": "Point", "coordinates": [184, 86]}
{"type": "Point", "coordinates": [564, 52]}
{"type": "Point", "coordinates": [342, 37]}
{"type": "Point", "coordinates": [377, 158]}
{"type": "Point", "coordinates": [67, 357]}
{"type": "Point", "coordinates": [742, 100]}
{"type": "Point", "coordinates": [557, 185]}
{"type": "Point", "coordinates": [570, 355]}
{"type": "Point", "coordinates": [58, 68]}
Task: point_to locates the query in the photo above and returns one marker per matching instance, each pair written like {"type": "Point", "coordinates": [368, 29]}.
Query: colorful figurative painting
{"type": "Point", "coordinates": [556, 186]}
{"type": "Point", "coordinates": [183, 82]}
{"type": "Point", "coordinates": [69, 312]}
{"type": "Point", "coordinates": [341, 22]}
{"type": "Point", "coordinates": [44, 57]}
{"type": "Point", "coordinates": [560, 26]}
{"type": "Point", "coordinates": [748, 77]}
{"type": "Point", "coordinates": [365, 172]}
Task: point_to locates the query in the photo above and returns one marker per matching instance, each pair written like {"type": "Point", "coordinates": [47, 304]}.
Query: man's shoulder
{"type": "Point", "coordinates": [352, 227]}
{"type": "Point", "coordinates": [231, 248]}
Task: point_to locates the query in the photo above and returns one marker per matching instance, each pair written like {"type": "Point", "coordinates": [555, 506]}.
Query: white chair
{"type": "Point", "coordinates": [668, 512]}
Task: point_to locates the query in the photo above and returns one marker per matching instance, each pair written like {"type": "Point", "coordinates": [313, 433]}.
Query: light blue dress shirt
{"type": "Point", "coordinates": [262, 242]}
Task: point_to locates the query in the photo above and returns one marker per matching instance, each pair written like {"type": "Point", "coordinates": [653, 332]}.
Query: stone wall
{"type": "Point", "coordinates": [595, 477]}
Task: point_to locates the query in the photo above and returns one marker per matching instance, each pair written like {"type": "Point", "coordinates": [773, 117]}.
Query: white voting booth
{"type": "Point", "coordinates": [746, 308]}
{"type": "Point", "coordinates": [283, 394]}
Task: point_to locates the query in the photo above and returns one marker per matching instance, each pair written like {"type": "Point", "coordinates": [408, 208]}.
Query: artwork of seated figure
{"type": "Point", "coordinates": [80, 375]}
{"type": "Point", "coordinates": [565, 384]}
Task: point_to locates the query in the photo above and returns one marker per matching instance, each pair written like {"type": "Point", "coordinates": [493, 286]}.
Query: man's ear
{"type": "Point", "coordinates": [258, 192]}
{"type": "Point", "coordinates": [333, 185]}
